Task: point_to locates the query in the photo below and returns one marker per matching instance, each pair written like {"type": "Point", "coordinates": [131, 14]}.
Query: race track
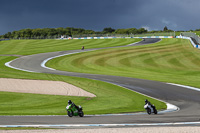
{"type": "Point", "coordinates": [186, 99]}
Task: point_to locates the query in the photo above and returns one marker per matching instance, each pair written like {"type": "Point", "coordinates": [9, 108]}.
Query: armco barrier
{"type": "Point", "coordinates": [184, 37]}
{"type": "Point", "coordinates": [157, 37]}
{"type": "Point", "coordinates": [119, 37]}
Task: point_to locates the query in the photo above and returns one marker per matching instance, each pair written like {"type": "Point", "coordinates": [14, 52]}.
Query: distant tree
{"type": "Point", "coordinates": [88, 32]}
{"type": "Point", "coordinates": [52, 32]}
{"type": "Point", "coordinates": [69, 31]}
{"type": "Point", "coordinates": [61, 31]}
{"type": "Point", "coordinates": [132, 31]}
{"type": "Point", "coordinates": [27, 33]}
{"type": "Point", "coordinates": [108, 30]}
{"type": "Point", "coordinates": [165, 28]}
{"type": "Point", "coordinates": [141, 30]}
{"type": "Point", "coordinates": [7, 35]}
{"type": "Point", "coordinates": [121, 31]}
{"type": "Point", "coordinates": [15, 34]}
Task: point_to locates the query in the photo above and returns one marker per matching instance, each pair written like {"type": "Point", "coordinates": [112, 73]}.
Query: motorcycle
{"type": "Point", "coordinates": [73, 111]}
{"type": "Point", "coordinates": [150, 109]}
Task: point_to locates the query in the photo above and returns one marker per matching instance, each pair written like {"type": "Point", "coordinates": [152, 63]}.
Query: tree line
{"type": "Point", "coordinates": [67, 32]}
{"type": "Point", "coordinates": [43, 33]}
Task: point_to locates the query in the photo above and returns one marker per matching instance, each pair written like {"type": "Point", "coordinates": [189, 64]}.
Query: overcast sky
{"type": "Point", "coordinates": [98, 14]}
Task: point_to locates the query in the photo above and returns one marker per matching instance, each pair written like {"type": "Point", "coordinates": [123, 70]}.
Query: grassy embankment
{"type": "Point", "coordinates": [197, 32]}
{"type": "Point", "coordinates": [28, 47]}
{"type": "Point", "coordinates": [171, 60]}
{"type": "Point", "coordinates": [108, 96]}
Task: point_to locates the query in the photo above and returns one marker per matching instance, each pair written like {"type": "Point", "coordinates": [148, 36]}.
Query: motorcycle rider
{"type": "Point", "coordinates": [83, 48]}
{"type": "Point", "coordinates": [149, 104]}
{"type": "Point", "coordinates": [70, 102]}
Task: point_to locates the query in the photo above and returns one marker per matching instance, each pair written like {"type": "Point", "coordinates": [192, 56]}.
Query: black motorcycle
{"type": "Point", "coordinates": [150, 109]}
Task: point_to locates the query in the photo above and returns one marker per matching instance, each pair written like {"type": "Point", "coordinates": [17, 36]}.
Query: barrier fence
{"type": "Point", "coordinates": [119, 37]}
{"type": "Point", "coordinates": [124, 35]}
{"type": "Point", "coordinates": [191, 40]}
{"type": "Point", "coordinates": [193, 36]}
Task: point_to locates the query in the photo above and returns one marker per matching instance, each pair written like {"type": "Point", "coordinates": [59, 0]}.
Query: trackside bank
{"type": "Point", "coordinates": [189, 38]}
{"type": "Point", "coordinates": [183, 37]}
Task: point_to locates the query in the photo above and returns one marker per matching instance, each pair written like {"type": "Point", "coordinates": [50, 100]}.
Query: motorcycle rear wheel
{"type": "Point", "coordinates": [155, 111]}
{"type": "Point", "coordinates": [81, 114]}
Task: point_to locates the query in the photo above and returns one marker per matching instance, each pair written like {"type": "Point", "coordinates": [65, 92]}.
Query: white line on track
{"type": "Point", "coordinates": [184, 86]}
{"type": "Point", "coordinates": [45, 61]}
{"type": "Point", "coordinates": [170, 108]}
{"type": "Point", "coordinates": [8, 65]}
{"type": "Point", "coordinates": [105, 125]}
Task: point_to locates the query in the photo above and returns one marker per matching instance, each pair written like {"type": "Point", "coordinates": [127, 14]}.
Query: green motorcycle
{"type": "Point", "coordinates": [73, 111]}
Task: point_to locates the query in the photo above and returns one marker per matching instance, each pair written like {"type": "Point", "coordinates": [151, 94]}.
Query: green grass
{"type": "Point", "coordinates": [28, 47]}
{"type": "Point", "coordinates": [197, 32]}
{"type": "Point", "coordinates": [110, 98]}
{"type": "Point", "coordinates": [170, 60]}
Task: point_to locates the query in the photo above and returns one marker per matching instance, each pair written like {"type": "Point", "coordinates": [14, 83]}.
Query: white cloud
{"type": "Point", "coordinates": [166, 22]}
{"type": "Point", "coordinates": [146, 28]}
{"type": "Point", "coordinates": [169, 23]}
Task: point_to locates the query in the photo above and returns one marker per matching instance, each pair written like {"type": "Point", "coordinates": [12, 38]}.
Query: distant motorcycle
{"type": "Point", "coordinates": [83, 48]}
{"type": "Point", "coordinates": [150, 109]}
{"type": "Point", "coordinates": [73, 111]}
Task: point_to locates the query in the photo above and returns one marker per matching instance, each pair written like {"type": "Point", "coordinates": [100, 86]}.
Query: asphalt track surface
{"type": "Point", "coordinates": [186, 99]}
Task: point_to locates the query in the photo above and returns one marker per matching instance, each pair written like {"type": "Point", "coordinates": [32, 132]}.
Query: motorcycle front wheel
{"type": "Point", "coordinates": [148, 111]}
{"type": "Point", "coordinates": [70, 113]}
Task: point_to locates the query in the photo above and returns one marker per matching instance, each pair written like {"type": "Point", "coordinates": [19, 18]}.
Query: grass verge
{"type": "Point", "coordinates": [28, 47]}
{"type": "Point", "coordinates": [170, 60]}
{"type": "Point", "coordinates": [110, 98]}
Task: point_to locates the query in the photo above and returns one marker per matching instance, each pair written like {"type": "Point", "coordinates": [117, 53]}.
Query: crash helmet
{"type": "Point", "coordinates": [146, 101]}
{"type": "Point", "coordinates": [69, 102]}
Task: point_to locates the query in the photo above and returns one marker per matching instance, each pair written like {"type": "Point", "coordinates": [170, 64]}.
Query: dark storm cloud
{"type": "Point", "coordinates": [98, 14]}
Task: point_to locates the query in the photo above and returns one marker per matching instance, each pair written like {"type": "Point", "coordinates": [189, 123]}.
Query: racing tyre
{"type": "Point", "coordinates": [81, 114]}
{"type": "Point", "coordinates": [148, 111]}
{"type": "Point", "coordinates": [70, 113]}
{"type": "Point", "coordinates": [155, 111]}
